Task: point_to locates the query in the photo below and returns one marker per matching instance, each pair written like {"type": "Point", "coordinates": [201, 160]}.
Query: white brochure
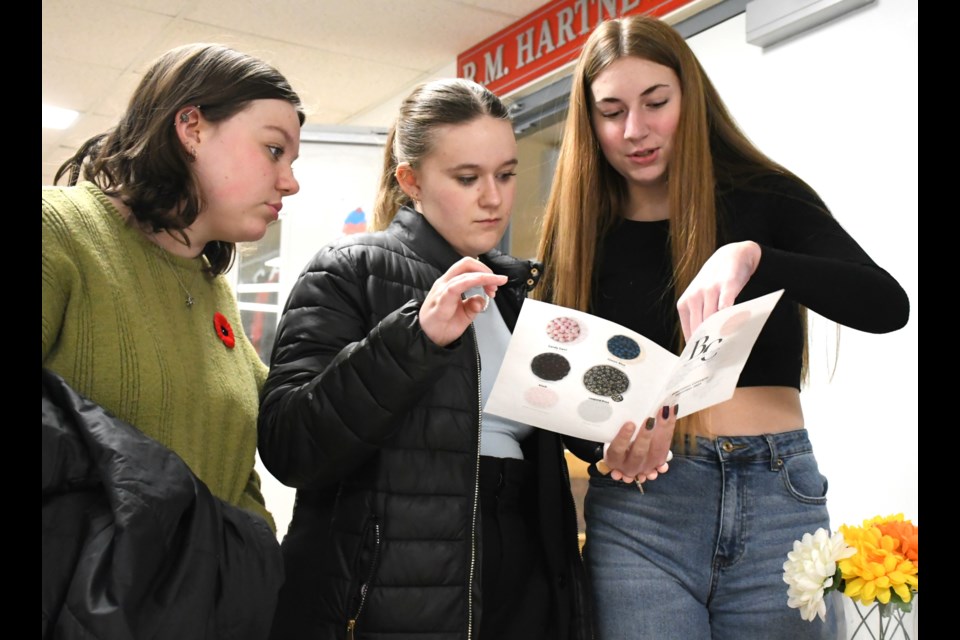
{"type": "Point", "coordinates": [580, 375]}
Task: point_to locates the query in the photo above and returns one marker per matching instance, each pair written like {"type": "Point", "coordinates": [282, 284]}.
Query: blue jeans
{"type": "Point", "coordinates": [700, 555]}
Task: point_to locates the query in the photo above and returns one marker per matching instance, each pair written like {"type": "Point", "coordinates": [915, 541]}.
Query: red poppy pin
{"type": "Point", "coordinates": [223, 329]}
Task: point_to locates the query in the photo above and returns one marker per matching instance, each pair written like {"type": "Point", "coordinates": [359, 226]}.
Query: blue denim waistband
{"type": "Point", "coordinates": [772, 446]}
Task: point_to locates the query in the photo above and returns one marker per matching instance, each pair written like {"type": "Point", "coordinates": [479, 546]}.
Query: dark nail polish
{"type": "Point", "coordinates": [666, 412]}
{"type": "Point", "coordinates": [649, 424]}
{"type": "Point", "coordinates": [676, 410]}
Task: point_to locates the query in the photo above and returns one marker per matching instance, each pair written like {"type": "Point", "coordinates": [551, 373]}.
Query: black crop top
{"type": "Point", "coordinates": [805, 251]}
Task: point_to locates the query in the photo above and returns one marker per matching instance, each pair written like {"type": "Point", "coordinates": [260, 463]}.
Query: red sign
{"type": "Point", "coordinates": [547, 39]}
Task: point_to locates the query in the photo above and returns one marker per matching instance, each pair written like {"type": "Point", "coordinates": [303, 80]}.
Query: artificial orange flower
{"type": "Point", "coordinates": [906, 533]}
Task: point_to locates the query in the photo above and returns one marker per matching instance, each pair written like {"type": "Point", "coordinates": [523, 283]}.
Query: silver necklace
{"type": "Point", "coordinates": [189, 299]}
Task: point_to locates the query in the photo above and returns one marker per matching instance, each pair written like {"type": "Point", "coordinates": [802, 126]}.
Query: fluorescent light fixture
{"type": "Point", "coordinates": [770, 21]}
{"type": "Point", "coordinates": [56, 117]}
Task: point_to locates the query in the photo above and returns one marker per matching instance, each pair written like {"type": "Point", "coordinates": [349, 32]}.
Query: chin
{"type": "Point", "coordinates": [486, 248]}
{"type": "Point", "coordinates": [254, 235]}
{"type": "Point", "coordinates": [650, 177]}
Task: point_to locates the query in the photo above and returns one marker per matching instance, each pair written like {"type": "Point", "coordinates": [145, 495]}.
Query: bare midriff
{"type": "Point", "coordinates": [753, 411]}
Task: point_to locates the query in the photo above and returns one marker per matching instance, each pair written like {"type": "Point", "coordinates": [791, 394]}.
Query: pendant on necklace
{"type": "Point", "coordinates": [189, 301]}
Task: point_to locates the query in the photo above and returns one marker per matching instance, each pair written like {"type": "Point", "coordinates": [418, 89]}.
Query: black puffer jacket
{"type": "Point", "coordinates": [133, 545]}
{"type": "Point", "coordinates": [378, 428]}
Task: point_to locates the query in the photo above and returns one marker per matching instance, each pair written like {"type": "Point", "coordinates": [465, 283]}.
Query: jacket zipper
{"type": "Point", "coordinates": [365, 585]}
{"type": "Point", "coordinates": [476, 490]}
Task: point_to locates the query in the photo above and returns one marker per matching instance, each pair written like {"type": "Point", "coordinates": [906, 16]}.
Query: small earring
{"type": "Point", "coordinates": [185, 116]}
{"type": "Point", "coordinates": [193, 152]}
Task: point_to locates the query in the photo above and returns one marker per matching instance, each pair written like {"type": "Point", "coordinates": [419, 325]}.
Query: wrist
{"type": "Point", "coordinates": [601, 454]}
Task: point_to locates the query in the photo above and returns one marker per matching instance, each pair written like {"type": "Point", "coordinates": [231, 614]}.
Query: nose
{"type": "Point", "coordinates": [287, 184]}
{"type": "Point", "coordinates": [635, 126]}
{"type": "Point", "coordinates": [490, 196]}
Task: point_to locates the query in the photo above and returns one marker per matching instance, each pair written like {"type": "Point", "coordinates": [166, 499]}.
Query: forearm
{"type": "Point", "coordinates": [859, 295]}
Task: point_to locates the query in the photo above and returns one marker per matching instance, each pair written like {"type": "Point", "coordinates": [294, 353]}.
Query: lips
{"type": "Point", "coordinates": [275, 206]}
{"type": "Point", "coordinates": [644, 156]}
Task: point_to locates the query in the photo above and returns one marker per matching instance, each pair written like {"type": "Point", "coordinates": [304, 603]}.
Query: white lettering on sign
{"type": "Point", "coordinates": [548, 38]}
{"type": "Point", "coordinates": [493, 66]}
{"type": "Point", "coordinates": [565, 27]}
{"type": "Point", "coordinates": [525, 48]}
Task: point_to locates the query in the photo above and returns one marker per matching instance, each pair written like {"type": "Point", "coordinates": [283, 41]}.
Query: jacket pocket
{"type": "Point", "coordinates": [364, 572]}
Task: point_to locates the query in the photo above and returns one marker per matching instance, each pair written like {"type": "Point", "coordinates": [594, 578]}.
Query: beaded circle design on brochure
{"type": "Point", "coordinates": [602, 381]}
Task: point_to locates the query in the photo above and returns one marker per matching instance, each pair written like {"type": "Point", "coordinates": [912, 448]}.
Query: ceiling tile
{"type": "Point", "coordinates": [347, 60]}
{"type": "Point", "coordinates": [414, 33]}
{"type": "Point", "coordinates": [98, 32]}
{"type": "Point", "coordinates": [66, 83]}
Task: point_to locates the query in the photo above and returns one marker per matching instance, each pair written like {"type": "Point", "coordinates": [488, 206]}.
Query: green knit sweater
{"type": "Point", "coordinates": [116, 327]}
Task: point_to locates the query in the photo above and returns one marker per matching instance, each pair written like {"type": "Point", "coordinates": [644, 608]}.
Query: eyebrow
{"type": "Point", "coordinates": [647, 92]}
{"type": "Point", "coordinates": [475, 167]}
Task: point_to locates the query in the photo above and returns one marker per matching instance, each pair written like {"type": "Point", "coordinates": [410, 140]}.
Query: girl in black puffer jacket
{"type": "Point", "coordinates": [417, 514]}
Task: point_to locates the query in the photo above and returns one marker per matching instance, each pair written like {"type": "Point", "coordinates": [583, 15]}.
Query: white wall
{"type": "Point", "coordinates": [839, 107]}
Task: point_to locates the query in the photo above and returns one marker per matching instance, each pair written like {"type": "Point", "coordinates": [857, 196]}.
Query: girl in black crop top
{"type": "Point", "coordinates": [662, 213]}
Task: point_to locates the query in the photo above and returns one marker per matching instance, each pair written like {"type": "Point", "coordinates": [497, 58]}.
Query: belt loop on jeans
{"type": "Point", "coordinates": [776, 462]}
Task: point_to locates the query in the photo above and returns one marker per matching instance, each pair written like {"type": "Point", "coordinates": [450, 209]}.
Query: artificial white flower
{"type": "Point", "coordinates": [810, 568]}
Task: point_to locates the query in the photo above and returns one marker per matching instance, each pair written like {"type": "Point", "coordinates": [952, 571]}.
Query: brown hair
{"type": "Point", "coordinates": [141, 160]}
{"type": "Point", "coordinates": [588, 195]}
{"type": "Point", "coordinates": [411, 138]}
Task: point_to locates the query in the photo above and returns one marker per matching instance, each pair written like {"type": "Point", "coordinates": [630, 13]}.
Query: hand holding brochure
{"type": "Point", "coordinates": [577, 374]}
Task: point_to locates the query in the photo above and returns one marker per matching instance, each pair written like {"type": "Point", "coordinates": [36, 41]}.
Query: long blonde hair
{"type": "Point", "coordinates": [588, 196]}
